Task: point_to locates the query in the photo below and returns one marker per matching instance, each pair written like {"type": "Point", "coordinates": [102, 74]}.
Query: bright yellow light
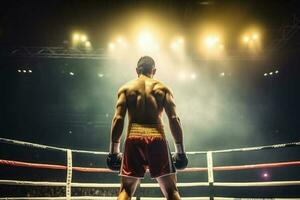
{"type": "Point", "coordinates": [145, 38]}
{"type": "Point", "coordinates": [111, 46]}
{"type": "Point", "coordinates": [180, 40]}
{"type": "Point", "coordinates": [211, 41]}
{"type": "Point", "coordinates": [255, 36]}
{"type": "Point", "coordinates": [246, 39]}
{"type": "Point", "coordinates": [87, 44]}
{"type": "Point", "coordinates": [83, 38]}
{"type": "Point", "coordinates": [120, 39]}
{"type": "Point", "coordinates": [76, 36]}
{"type": "Point", "coordinates": [177, 44]}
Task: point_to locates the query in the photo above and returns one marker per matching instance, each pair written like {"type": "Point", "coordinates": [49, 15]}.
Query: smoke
{"type": "Point", "coordinates": [207, 97]}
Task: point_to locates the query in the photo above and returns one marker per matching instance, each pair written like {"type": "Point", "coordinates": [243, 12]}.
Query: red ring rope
{"type": "Point", "coordinates": [105, 170]}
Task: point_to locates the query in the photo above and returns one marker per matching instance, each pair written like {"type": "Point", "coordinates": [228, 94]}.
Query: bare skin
{"type": "Point", "coordinates": [145, 99]}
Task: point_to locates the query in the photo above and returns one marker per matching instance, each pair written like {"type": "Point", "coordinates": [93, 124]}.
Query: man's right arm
{"type": "Point", "coordinates": [174, 121]}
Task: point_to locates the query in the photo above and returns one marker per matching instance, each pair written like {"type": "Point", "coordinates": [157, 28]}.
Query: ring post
{"type": "Point", "coordinates": [69, 174]}
{"type": "Point", "coordinates": [210, 174]}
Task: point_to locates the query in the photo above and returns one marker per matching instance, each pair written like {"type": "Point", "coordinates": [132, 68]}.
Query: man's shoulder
{"type": "Point", "coordinates": [126, 86]}
{"type": "Point", "coordinates": [162, 86]}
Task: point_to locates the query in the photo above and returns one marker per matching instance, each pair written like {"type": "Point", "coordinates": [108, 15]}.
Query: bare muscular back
{"type": "Point", "coordinates": [144, 99]}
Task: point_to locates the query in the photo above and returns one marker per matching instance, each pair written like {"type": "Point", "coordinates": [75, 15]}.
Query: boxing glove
{"type": "Point", "coordinates": [114, 161]}
{"type": "Point", "coordinates": [180, 160]}
{"type": "Point", "coordinates": [114, 158]}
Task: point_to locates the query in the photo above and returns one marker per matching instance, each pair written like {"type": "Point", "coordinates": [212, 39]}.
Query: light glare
{"type": "Point", "coordinates": [87, 44]}
{"type": "Point", "coordinates": [111, 46]}
{"type": "Point", "coordinates": [211, 41]}
{"type": "Point", "coordinates": [76, 36]}
{"type": "Point", "coordinates": [145, 39]}
{"type": "Point", "coordinates": [83, 38]}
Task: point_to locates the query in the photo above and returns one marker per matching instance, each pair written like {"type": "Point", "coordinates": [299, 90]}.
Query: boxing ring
{"type": "Point", "coordinates": [68, 184]}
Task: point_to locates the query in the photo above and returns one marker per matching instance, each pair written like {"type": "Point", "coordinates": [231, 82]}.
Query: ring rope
{"type": "Point", "coordinates": [41, 146]}
{"type": "Point", "coordinates": [106, 170]}
{"type": "Point", "coordinates": [28, 144]}
{"type": "Point", "coordinates": [68, 184]}
{"type": "Point", "coordinates": [151, 185]}
{"type": "Point", "coordinates": [92, 185]}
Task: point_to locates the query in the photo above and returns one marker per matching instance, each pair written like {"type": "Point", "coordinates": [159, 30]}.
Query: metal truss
{"type": "Point", "coordinates": [286, 32]}
{"type": "Point", "coordinates": [98, 54]}
{"type": "Point", "coordinates": [54, 52]}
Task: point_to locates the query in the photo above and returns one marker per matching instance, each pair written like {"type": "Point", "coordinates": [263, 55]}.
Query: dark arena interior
{"type": "Point", "coordinates": [232, 66]}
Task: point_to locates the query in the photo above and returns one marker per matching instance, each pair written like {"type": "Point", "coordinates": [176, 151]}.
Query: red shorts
{"type": "Point", "coordinates": [146, 148]}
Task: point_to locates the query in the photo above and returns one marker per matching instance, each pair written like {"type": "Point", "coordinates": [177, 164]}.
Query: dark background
{"type": "Point", "coordinates": [48, 106]}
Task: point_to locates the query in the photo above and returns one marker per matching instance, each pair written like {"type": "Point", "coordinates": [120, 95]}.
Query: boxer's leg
{"type": "Point", "coordinates": [168, 186]}
{"type": "Point", "coordinates": [128, 187]}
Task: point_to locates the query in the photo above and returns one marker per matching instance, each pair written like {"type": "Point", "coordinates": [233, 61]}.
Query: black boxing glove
{"type": "Point", "coordinates": [180, 158]}
{"type": "Point", "coordinates": [114, 158]}
{"type": "Point", "coordinates": [114, 161]}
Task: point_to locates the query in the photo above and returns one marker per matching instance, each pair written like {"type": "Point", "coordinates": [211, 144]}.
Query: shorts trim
{"type": "Point", "coordinates": [164, 175]}
{"type": "Point", "coordinates": [136, 177]}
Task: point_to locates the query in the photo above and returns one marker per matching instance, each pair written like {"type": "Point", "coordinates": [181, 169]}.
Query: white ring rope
{"type": "Point", "coordinates": [92, 185]}
{"type": "Point", "coordinates": [68, 184]}
{"type": "Point", "coordinates": [29, 144]}
{"type": "Point", "coordinates": [40, 146]}
{"type": "Point", "coordinates": [151, 185]}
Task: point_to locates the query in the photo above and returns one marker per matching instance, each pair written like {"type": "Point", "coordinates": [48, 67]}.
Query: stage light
{"type": "Point", "coordinates": [276, 72]}
{"type": "Point", "coordinates": [71, 73]}
{"type": "Point", "coordinates": [111, 46]}
{"type": "Point", "coordinates": [265, 74]}
{"type": "Point", "coordinates": [120, 39]}
{"type": "Point", "coordinates": [174, 46]}
{"type": "Point", "coordinates": [271, 73]}
{"type": "Point", "coordinates": [145, 39]}
{"type": "Point", "coordinates": [24, 71]}
{"type": "Point", "coordinates": [83, 38]}
{"type": "Point", "coordinates": [147, 42]}
{"type": "Point", "coordinates": [30, 71]}
{"type": "Point", "coordinates": [180, 40]}
{"type": "Point", "coordinates": [76, 37]}
{"type": "Point", "coordinates": [177, 44]}
{"type": "Point", "coordinates": [251, 39]}
{"type": "Point", "coordinates": [193, 76]}
{"type": "Point", "coordinates": [265, 175]}
{"type": "Point", "coordinates": [255, 36]}
{"type": "Point", "coordinates": [101, 75]}
{"type": "Point", "coordinates": [211, 41]}
{"type": "Point", "coordinates": [19, 70]}
{"type": "Point", "coordinates": [88, 44]}
{"type": "Point", "coordinates": [222, 74]}
{"type": "Point", "coordinates": [246, 39]}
